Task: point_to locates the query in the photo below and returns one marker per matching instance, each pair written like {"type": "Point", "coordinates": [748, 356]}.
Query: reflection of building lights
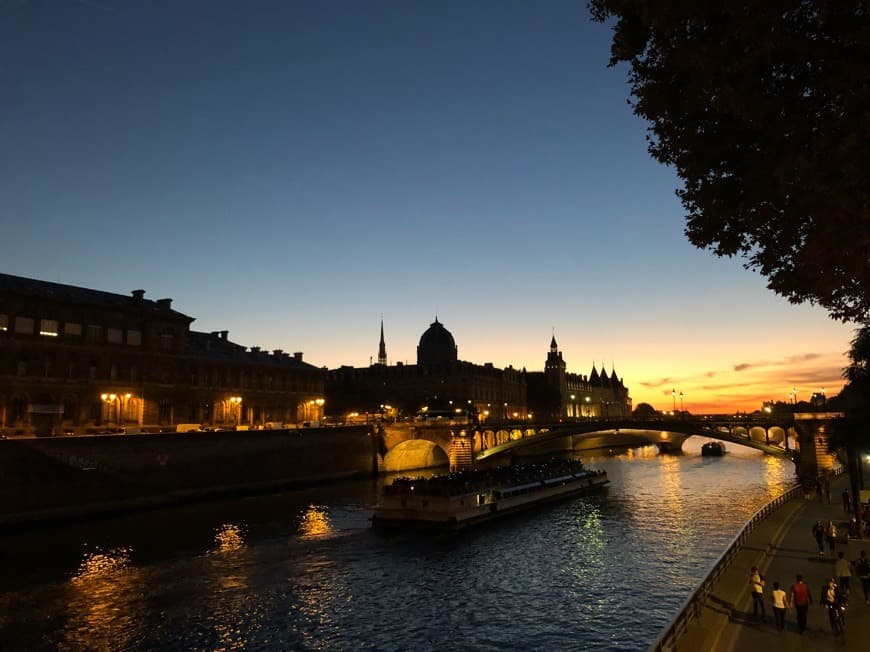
{"type": "Point", "coordinates": [98, 564]}
{"type": "Point", "coordinates": [229, 537]}
{"type": "Point", "coordinates": [663, 435]}
{"type": "Point", "coordinates": [315, 521]}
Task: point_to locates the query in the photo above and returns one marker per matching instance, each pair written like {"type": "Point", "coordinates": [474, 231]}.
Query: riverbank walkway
{"type": "Point", "coordinates": [782, 546]}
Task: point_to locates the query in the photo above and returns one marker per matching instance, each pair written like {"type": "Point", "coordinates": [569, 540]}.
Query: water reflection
{"type": "Point", "coordinates": [103, 601]}
{"type": "Point", "coordinates": [229, 536]}
{"type": "Point", "coordinates": [304, 571]}
{"type": "Point", "coordinates": [315, 522]}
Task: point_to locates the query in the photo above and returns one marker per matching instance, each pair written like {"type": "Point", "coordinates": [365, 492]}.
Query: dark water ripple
{"type": "Point", "coordinates": [302, 571]}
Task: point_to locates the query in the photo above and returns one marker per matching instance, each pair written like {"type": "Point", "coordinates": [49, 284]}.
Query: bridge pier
{"type": "Point", "coordinates": [812, 429]}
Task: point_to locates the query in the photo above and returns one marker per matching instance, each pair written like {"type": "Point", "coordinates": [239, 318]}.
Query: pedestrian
{"type": "Point", "coordinates": [831, 535]}
{"type": "Point", "coordinates": [862, 570]}
{"type": "Point", "coordinates": [780, 602]}
{"type": "Point", "coordinates": [827, 484]}
{"type": "Point", "coordinates": [801, 599]}
{"type": "Point", "coordinates": [843, 573]}
{"type": "Point", "coordinates": [819, 534]}
{"type": "Point", "coordinates": [756, 587]}
{"type": "Point", "coordinates": [847, 504]}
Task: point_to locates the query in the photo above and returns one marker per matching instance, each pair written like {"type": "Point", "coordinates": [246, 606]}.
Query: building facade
{"type": "Point", "coordinates": [74, 359]}
{"type": "Point", "coordinates": [441, 382]}
{"type": "Point", "coordinates": [562, 395]}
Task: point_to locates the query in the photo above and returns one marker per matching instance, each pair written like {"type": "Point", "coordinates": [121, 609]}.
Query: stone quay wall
{"type": "Point", "coordinates": [44, 479]}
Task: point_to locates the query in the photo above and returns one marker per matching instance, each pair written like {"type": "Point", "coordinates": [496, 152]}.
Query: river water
{"type": "Point", "coordinates": [303, 571]}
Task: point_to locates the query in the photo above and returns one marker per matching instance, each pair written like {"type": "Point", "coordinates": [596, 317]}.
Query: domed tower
{"type": "Point", "coordinates": [437, 347]}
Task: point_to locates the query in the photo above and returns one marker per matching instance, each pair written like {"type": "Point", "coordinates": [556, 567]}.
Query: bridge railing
{"type": "Point", "coordinates": [693, 606]}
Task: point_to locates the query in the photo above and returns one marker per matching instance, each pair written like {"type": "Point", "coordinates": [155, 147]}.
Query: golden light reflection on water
{"type": "Point", "coordinates": [672, 485]}
{"type": "Point", "coordinates": [229, 536]}
{"type": "Point", "coordinates": [315, 521]}
{"type": "Point", "coordinates": [103, 601]}
{"type": "Point", "coordinates": [98, 564]}
{"type": "Point", "coordinates": [773, 476]}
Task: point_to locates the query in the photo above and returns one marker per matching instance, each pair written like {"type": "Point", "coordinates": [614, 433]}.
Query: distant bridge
{"type": "Point", "coordinates": [770, 437]}
{"type": "Point", "coordinates": [417, 445]}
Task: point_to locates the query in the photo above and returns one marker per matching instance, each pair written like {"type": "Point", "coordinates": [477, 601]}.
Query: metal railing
{"type": "Point", "coordinates": [692, 607]}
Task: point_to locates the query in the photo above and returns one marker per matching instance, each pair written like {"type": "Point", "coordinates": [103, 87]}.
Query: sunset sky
{"type": "Point", "coordinates": [293, 171]}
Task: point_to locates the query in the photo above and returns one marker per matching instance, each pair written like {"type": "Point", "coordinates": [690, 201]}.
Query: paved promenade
{"type": "Point", "coordinates": [782, 546]}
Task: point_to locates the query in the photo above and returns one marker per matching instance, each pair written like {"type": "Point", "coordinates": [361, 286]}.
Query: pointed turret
{"type": "Point", "coordinates": [594, 379]}
{"type": "Point", "coordinates": [382, 346]}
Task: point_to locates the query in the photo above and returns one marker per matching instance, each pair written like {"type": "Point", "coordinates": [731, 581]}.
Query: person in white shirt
{"type": "Point", "coordinates": [780, 602]}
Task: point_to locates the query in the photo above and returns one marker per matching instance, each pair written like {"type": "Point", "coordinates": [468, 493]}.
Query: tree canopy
{"type": "Point", "coordinates": [763, 109]}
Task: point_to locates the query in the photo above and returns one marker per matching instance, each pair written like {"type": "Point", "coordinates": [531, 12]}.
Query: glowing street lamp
{"type": "Point", "coordinates": [109, 400]}
{"type": "Point", "coordinates": [674, 396]}
{"type": "Point", "coordinates": [236, 408]}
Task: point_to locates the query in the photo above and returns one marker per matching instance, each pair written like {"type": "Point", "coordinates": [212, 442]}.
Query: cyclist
{"type": "Point", "coordinates": [834, 601]}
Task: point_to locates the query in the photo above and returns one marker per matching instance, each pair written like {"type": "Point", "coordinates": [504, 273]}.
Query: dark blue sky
{"type": "Point", "coordinates": [292, 170]}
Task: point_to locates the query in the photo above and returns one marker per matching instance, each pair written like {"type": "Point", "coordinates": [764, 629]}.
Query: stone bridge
{"type": "Point", "coordinates": [413, 446]}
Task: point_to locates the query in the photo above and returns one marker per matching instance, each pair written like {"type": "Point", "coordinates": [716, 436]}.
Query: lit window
{"type": "Point", "coordinates": [24, 325]}
{"type": "Point", "coordinates": [48, 327]}
{"type": "Point", "coordinates": [114, 335]}
{"type": "Point", "coordinates": [72, 329]}
{"type": "Point", "coordinates": [134, 338]}
{"type": "Point", "coordinates": [4, 323]}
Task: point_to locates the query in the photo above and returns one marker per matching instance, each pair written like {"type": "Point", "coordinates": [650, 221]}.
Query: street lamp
{"type": "Point", "coordinates": [588, 409]}
{"type": "Point", "coordinates": [109, 400]}
{"type": "Point", "coordinates": [235, 406]}
{"type": "Point", "coordinates": [674, 396]}
{"type": "Point", "coordinates": [681, 402]}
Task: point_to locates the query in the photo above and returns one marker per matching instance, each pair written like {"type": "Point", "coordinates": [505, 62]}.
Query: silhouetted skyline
{"type": "Point", "coordinates": [292, 171]}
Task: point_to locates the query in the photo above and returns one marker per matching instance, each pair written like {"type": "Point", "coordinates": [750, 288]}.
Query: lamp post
{"type": "Point", "coordinates": [681, 403]}
{"type": "Point", "coordinates": [588, 409]}
{"type": "Point", "coordinates": [674, 396]}
{"type": "Point", "coordinates": [109, 400]}
{"type": "Point", "coordinates": [123, 401]}
{"type": "Point", "coordinates": [235, 407]}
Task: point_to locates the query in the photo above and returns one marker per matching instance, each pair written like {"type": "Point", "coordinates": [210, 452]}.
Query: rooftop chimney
{"type": "Point", "coordinates": [164, 303]}
{"type": "Point", "coordinates": [277, 353]}
{"type": "Point", "coordinates": [224, 334]}
{"type": "Point", "coordinates": [255, 349]}
{"type": "Point", "coordinates": [138, 294]}
{"type": "Point", "coordinates": [298, 356]}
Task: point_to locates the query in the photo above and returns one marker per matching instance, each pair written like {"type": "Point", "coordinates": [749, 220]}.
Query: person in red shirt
{"type": "Point", "coordinates": [801, 600]}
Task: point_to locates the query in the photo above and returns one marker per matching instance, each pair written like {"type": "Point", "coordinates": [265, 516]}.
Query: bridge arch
{"type": "Point", "coordinates": [415, 454]}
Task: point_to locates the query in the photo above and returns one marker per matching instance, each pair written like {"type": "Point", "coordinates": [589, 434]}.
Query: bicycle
{"type": "Point", "coordinates": [837, 618]}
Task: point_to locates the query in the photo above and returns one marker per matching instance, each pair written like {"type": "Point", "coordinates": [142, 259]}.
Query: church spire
{"type": "Point", "coordinates": [382, 347]}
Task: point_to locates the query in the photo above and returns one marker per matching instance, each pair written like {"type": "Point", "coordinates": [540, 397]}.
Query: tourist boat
{"type": "Point", "coordinates": [464, 498]}
{"type": "Point", "coordinates": [713, 449]}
